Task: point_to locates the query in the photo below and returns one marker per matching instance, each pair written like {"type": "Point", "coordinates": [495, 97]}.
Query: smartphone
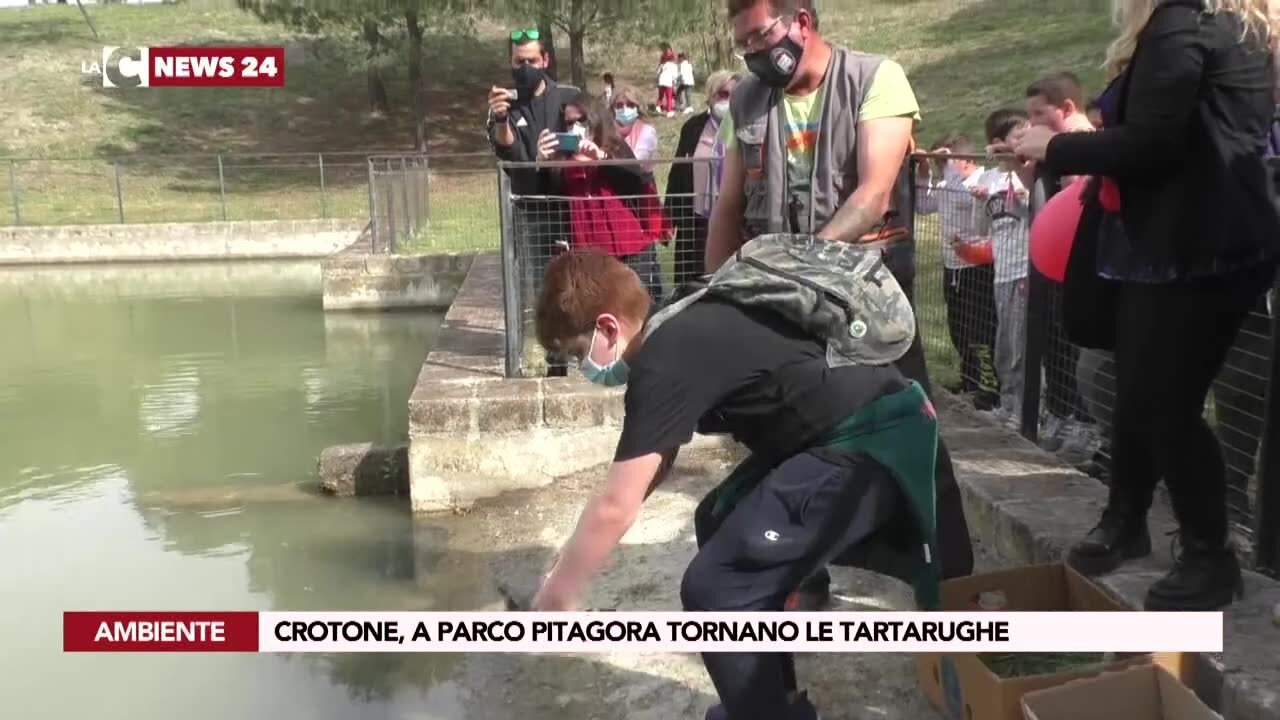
{"type": "Point", "coordinates": [568, 142]}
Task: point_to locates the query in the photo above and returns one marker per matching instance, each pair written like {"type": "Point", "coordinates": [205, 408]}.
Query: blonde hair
{"type": "Point", "coordinates": [1257, 16]}
{"type": "Point", "coordinates": [717, 80]}
{"type": "Point", "coordinates": [627, 93]}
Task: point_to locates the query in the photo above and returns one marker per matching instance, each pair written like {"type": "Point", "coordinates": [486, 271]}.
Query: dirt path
{"type": "Point", "coordinates": [515, 538]}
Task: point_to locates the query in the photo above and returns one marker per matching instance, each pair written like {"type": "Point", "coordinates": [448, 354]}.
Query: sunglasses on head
{"type": "Point", "coordinates": [528, 34]}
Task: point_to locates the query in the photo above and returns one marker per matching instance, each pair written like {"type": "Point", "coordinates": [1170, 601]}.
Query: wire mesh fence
{"type": "Point", "coordinates": [184, 188]}
{"type": "Point", "coordinates": [610, 206]}
{"type": "Point", "coordinates": [436, 203]}
{"type": "Point", "coordinates": [993, 333]}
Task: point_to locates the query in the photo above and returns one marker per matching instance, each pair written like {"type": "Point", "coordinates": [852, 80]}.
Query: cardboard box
{"type": "Point", "coordinates": [1141, 693]}
{"type": "Point", "coordinates": [962, 687]}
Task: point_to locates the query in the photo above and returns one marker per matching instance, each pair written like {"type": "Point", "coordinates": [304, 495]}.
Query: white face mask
{"type": "Point", "coordinates": [720, 109]}
{"type": "Point", "coordinates": [579, 129]}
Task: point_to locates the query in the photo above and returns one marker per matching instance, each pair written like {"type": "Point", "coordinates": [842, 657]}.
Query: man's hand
{"type": "Point", "coordinates": [1032, 143]}
{"type": "Point", "coordinates": [980, 192]}
{"type": "Point", "coordinates": [602, 524]}
{"type": "Point", "coordinates": [882, 148]}
{"type": "Point", "coordinates": [499, 102]}
{"type": "Point", "coordinates": [548, 145]}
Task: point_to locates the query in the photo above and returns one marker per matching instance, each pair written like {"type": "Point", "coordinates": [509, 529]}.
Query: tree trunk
{"type": "Point", "coordinates": [416, 100]}
{"type": "Point", "coordinates": [577, 32]}
{"type": "Point", "coordinates": [377, 89]}
{"type": "Point", "coordinates": [546, 34]}
{"type": "Point", "coordinates": [87, 19]}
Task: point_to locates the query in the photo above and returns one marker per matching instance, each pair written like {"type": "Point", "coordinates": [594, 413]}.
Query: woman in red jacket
{"type": "Point", "coordinates": [606, 202]}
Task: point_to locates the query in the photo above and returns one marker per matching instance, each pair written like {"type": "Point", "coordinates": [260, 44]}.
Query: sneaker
{"type": "Point", "coordinates": [1080, 441]}
{"type": "Point", "coordinates": [800, 709]}
{"type": "Point", "coordinates": [1051, 433]}
{"type": "Point", "coordinates": [688, 111]}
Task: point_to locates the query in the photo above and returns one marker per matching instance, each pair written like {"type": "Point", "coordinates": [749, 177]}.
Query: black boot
{"type": "Point", "coordinates": [1205, 577]}
{"type": "Point", "coordinates": [1114, 540]}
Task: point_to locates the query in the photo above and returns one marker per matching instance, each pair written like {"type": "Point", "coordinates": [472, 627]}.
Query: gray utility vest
{"type": "Point", "coordinates": [760, 127]}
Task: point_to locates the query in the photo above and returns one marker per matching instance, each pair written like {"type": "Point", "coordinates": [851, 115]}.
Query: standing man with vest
{"type": "Point", "coordinates": [815, 142]}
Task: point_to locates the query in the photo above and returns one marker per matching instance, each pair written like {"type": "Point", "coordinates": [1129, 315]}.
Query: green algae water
{"type": "Point", "coordinates": [159, 428]}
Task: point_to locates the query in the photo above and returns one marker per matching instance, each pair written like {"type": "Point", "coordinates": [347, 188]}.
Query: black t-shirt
{"type": "Point", "coordinates": [718, 368]}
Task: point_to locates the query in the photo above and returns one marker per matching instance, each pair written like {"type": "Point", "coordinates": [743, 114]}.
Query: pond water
{"type": "Point", "coordinates": [159, 428]}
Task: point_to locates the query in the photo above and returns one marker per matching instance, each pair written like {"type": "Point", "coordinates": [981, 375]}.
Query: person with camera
{"type": "Point", "coordinates": [606, 209]}
{"type": "Point", "coordinates": [518, 117]}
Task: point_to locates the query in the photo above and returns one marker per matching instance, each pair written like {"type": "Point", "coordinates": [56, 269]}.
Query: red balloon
{"type": "Point", "coordinates": [1054, 230]}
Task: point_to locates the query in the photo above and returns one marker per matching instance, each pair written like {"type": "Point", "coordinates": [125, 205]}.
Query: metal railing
{"type": "Point", "coordinates": [611, 206]}
{"type": "Point", "coordinates": [1063, 395]}
{"type": "Point", "coordinates": [420, 202]}
{"type": "Point", "coordinates": [183, 188]}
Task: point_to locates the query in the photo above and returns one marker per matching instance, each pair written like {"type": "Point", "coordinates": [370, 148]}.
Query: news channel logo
{"type": "Point", "coordinates": [125, 67]}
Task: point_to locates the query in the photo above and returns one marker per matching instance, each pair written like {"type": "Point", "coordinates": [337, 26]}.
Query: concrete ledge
{"type": "Point", "coordinates": [379, 282]}
{"type": "Point", "coordinates": [364, 469]}
{"type": "Point", "coordinates": [252, 239]}
{"type": "Point", "coordinates": [1031, 508]}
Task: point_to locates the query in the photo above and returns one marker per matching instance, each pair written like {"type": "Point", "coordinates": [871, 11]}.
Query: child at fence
{"type": "Point", "coordinates": [607, 208]}
{"type": "Point", "coordinates": [967, 283]}
{"type": "Point", "coordinates": [1005, 205]}
{"type": "Point", "coordinates": [668, 79]}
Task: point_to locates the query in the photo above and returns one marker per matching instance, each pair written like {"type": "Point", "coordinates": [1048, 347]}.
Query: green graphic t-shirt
{"type": "Point", "coordinates": [889, 95]}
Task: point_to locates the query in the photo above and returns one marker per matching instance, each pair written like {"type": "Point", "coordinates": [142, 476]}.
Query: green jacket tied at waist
{"type": "Point", "coordinates": [899, 431]}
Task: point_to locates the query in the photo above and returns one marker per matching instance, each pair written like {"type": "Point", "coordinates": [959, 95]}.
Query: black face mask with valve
{"type": "Point", "coordinates": [776, 66]}
{"type": "Point", "coordinates": [527, 78]}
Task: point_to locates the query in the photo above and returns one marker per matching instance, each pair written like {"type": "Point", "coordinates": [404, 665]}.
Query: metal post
{"type": "Point", "coordinates": [115, 165]}
{"type": "Point", "coordinates": [1037, 339]}
{"type": "Point", "coordinates": [1267, 535]}
{"type": "Point", "coordinates": [513, 323]}
{"type": "Point", "coordinates": [324, 206]}
{"type": "Point", "coordinates": [373, 209]}
{"type": "Point", "coordinates": [390, 246]}
{"type": "Point", "coordinates": [410, 225]}
{"type": "Point", "coordinates": [222, 189]}
{"type": "Point", "coordinates": [13, 191]}
{"type": "Point", "coordinates": [426, 192]}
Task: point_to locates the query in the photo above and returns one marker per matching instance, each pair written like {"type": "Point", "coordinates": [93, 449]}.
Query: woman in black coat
{"type": "Point", "coordinates": [691, 186]}
{"type": "Point", "coordinates": [1181, 158]}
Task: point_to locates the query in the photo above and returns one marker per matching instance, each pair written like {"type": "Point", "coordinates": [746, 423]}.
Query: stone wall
{"type": "Point", "coordinates": [176, 241]}
{"type": "Point", "coordinates": [365, 282]}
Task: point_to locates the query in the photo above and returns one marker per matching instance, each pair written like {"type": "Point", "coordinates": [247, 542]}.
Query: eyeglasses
{"type": "Point", "coordinates": [527, 34]}
{"type": "Point", "coordinates": [758, 39]}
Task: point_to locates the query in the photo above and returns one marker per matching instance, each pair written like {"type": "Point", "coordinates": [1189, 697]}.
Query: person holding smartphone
{"type": "Point", "coordinates": [605, 208]}
{"type": "Point", "coordinates": [517, 117]}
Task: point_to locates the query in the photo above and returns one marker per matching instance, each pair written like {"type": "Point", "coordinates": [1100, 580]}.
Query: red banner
{"type": "Point", "coordinates": [160, 632]}
{"type": "Point", "coordinates": [216, 66]}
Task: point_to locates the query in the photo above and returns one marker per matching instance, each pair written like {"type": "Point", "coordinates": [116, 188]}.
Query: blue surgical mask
{"type": "Point", "coordinates": [626, 115]}
{"type": "Point", "coordinates": [611, 375]}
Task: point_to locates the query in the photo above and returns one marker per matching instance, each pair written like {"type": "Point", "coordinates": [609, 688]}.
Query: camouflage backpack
{"type": "Point", "coordinates": [835, 291]}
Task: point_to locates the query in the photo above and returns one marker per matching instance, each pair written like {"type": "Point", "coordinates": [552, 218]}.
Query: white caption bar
{"type": "Point", "coordinates": [844, 632]}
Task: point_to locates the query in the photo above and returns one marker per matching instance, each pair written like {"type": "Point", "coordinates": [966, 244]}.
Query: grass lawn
{"type": "Point", "coordinates": [62, 132]}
